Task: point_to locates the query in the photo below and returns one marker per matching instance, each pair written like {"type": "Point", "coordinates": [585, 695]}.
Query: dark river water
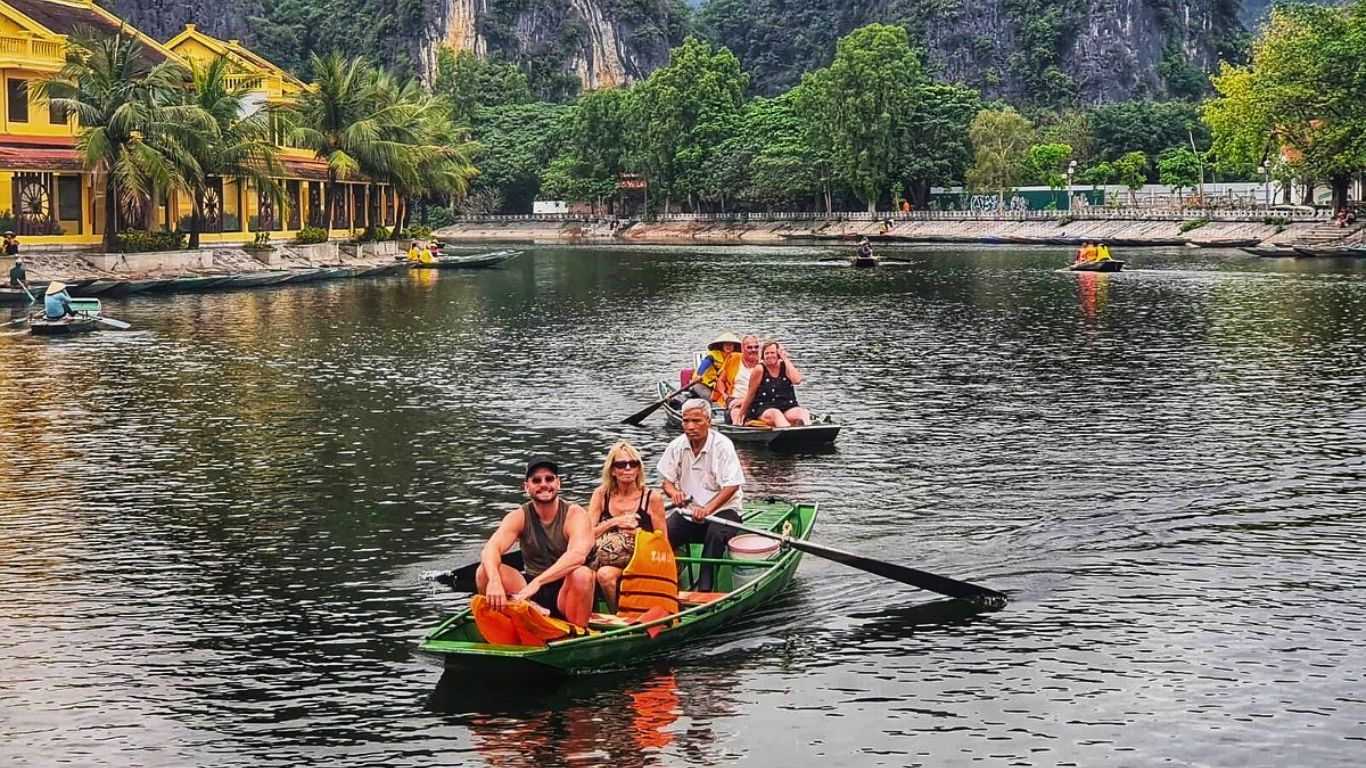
{"type": "Point", "coordinates": [213, 524]}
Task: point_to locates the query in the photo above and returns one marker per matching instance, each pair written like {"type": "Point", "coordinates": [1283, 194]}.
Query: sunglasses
{"type": "Point", "coordinates": [542, 479]}
{"type": "Point", "coordinates": [756, 346]}
{"type": "Point", "coordinates": [625, 464]}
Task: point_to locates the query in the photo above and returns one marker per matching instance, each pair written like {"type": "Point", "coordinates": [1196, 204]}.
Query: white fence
{"type": "Point", "coordinates": [1080, 214]}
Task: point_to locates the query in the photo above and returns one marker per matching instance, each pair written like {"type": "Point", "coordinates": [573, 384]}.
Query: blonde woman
{"type": "Point", "coordinates": [620, 505]}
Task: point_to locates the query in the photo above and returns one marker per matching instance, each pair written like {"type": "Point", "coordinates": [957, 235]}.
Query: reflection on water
{"type": "Point", "coordinates": [214, 522]}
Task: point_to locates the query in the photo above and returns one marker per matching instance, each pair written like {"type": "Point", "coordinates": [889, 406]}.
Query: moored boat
{"type": "Point", "coordinates": [823, 432]}
{"type": "Point", "coordinates": [41, 326]}
{"type": "Point", "coordinates": [131, 286]}
{"type": "Point", "coordinates": [1326, 251]}
{"type": "Point", "coordinates": [94, 288]}
{"type": "Point", "coordinates": [476, 261]}
{"type": "Point", "coordinates": [1272, 252]}
{"type": "Point", "coordinates": [864, 261]}
{"type": "Point", "coordinates": [1100, 265]}
{"type": "Point", "coordinates": [256, 279]}
{"type": "Point", "coordinates": [192, 283]}
{"type": "Point", "coordinates": [12, 297]}
{"type": "Point", "coordinates": [742, 586]}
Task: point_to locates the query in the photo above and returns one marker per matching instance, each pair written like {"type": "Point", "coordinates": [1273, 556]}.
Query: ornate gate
{"type": "Point", "coordinates": [33, 210]}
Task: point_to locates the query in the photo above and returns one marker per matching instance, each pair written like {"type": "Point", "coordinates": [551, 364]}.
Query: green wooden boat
{"type": "Point", "coordinates": [459, 645]}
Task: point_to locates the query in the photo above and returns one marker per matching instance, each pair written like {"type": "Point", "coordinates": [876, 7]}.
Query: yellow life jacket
{"type": "Point", "coordinates": [713, 370]}
{"type": "Point", "coordinates": [520, 624]}
{"type": "Point", "coordinates": [1102, 252]}
{"type": "Point", "coordinates": [650, 580]}
{"type": "Point", "coordinates": [412, 254]}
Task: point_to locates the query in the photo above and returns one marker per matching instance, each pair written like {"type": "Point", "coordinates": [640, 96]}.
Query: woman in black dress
{"type": "Point", "coordinates": [771, 398]}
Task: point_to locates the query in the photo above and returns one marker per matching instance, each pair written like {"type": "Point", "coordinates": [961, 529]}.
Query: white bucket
{"type": "Point", "coordinates": [750, 546]}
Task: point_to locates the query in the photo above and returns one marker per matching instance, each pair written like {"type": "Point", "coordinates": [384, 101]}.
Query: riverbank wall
{"type": "Point", "coordinates": [1035, 229]}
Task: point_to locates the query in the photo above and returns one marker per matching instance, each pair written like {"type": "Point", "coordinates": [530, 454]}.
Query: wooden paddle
{"type": "Point", "coordinates": [31, 300]}
{"type": "Point", "coordinates": [112, 323]}
{"type": "Point", "coordinates": [639, 416]}
{"type": "Point", "coordinates": [986, 598]}
{"type": "Point", "coordinates": [462, 579]}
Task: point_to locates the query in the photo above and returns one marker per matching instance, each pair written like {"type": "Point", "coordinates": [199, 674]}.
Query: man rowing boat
{"type": "Point", "coordinates": [702, 474]}
{"type": "Point", "coordinates": [555, 538]}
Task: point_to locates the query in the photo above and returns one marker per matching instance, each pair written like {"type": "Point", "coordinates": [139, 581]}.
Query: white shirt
{"type": "Point", "coordinates": [742, 382]}
{"type": "Point", "coordinates": [704, 475]}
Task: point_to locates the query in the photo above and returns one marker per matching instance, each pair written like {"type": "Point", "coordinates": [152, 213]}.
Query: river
{"type": "Point", "coordinates": [214, 523]}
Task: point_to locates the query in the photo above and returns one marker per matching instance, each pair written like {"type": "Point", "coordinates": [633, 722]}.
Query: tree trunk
{"type": "Point", "coordinates": [1309, 187]}
{"type": "Point", "coordinates": [196, 220]}
{"type": "Point", "coordinates": [329, 201]}
{"type": "Point", "coordinates": [372, 215]}
{"type": "Point", "coordinates": [1340, 184]}
{"type": "Point", "coordinates": [111, 213]}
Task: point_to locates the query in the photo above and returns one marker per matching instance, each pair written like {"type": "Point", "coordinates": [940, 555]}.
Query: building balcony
{"type": "Point", "coordinates": [32, 53]}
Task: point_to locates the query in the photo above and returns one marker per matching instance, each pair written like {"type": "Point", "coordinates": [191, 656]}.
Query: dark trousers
{"type": "Point", "coordinates": [712, 537]}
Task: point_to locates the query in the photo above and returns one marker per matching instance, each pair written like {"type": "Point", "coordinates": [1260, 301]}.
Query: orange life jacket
{"type": "Point", "coordinates": [650, 580]}
{"type": "Point", "coordinates": [519, 624]}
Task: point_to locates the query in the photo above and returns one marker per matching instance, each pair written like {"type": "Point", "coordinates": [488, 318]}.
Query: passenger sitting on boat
{"type": "Point", "coordinates": [555, 538]}
{"type": "Point", "coordinates": [414, 249]}
{"type": "Point", "coordinates": [57, 302]}
{"type": "Point", "coordinates": [771, 397]}
{"type": "Point", "coordinates": [18, 277]}
{"type": "Point", "coordinates": [11, 243]}
{"type": "Point", "coordinates": [703, 383]}
{"type": "Point", "coordinates": [865, 249]}
{"type": "Point", "coordinates": [739, 387]}
{"type": "Point", "coordinates": [1102, 251]}
{"type": "Point", "coordinates": [1085, 253]}
{"type": "Point", "coordinates": [702, 475]}
{"type": "Point", "coordinates": [620, 505]}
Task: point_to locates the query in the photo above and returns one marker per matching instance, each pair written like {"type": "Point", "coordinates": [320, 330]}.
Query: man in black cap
{"type": "Point", "coordinates": [555, 537]}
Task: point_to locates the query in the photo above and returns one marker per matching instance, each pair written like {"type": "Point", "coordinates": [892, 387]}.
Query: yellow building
{"type": "Point", "coordinates": [49, 198]}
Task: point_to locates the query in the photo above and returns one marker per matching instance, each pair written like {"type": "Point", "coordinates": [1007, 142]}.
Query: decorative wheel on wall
{"type": "Point", "coordinates": [35, 206]}
{"type": "Point", "coordinates": [211, 204]}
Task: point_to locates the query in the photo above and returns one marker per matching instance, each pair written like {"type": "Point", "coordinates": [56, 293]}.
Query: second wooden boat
{"type": "Point", "coordinates": [477, 261]}
{"type": "Point", "coordinates": [1101, 265]}
{"type": "Point", "coordinates": [41, 326]}
{"type": "Point", "coordinates": [821, 433]}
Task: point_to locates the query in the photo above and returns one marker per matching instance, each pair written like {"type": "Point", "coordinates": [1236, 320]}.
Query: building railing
{"type": "Point", "coordinates": [1083, 214]}
{"type": "Point", "coordinates": [29, 48]}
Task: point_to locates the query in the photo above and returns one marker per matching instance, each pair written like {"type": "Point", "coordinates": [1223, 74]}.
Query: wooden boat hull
{"type": "Point", "coordinates": [256, 279]}
{"type": "Point", "coordinates": [64, 327]}
{"type": "Point", "coordinates": [129, 287]}
{"type": "Point", "coordinates": [864, 262]}
{"type": "Point", "coordinates": [810, 435]}
{"type": "Point", "coordinates": [478, 261]}
{"type": "Point", "coordinates": [457, 643]}
{"type": "Point", "coordinates": [1104, 265]}
{"type": "Point", "coordinates": [15, 297]}
{"type": "Point", "coordinates": [1326, 251]}
{"type": "Point", "coordinates": [186, 284]}
{"type": "Point", "coordinates": [95, 288]}
{"type": "Point", "coordinates": [1271, 252]}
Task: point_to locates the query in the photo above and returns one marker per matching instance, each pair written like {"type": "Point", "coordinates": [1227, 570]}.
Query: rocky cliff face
{"type": "Point", "coordinates": [597, 42]}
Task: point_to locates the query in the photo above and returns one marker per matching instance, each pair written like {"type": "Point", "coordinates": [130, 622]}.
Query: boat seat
{"type": "Point", "coordinates": [699, 598]}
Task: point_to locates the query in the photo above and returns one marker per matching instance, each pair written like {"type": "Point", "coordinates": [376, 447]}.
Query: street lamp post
{"type": "Point", "coordinates": [1071, 169]}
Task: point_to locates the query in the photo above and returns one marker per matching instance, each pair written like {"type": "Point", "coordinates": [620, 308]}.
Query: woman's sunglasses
{"type": "Point", "coordinates": [625, 464]}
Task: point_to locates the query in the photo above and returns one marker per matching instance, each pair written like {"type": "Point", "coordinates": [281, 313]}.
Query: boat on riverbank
{"type": "Point", "coordinates": [1329, 251]}
{"type": "Point", "coordinates": [615, 643]}
{"type": "Point", "coordinates": [475, 261]}
{"type": "Point", "coordinates": [1099, 265]}
{"type": "Point", "coordinates": [1271, 251]}
{"type": "Point", "coordinates": [821, 433]}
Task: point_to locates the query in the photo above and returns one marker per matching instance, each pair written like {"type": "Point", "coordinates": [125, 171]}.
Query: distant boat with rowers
{"type": "Point", "coordinates": [475, 261]}
{"type": "Point", "coordinates": [822, 432]}
{"type": "Point", "coordinates": [1096, 265]}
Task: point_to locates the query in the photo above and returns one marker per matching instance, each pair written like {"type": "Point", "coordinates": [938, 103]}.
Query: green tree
{"type": "Point", "coordinates": [1048, 163]}
{"type": "Point", "coordinates": [1000, 138]}
{"type": "Point", "coordinates": [590, 163]}
{"type": "Point", "coordinates": [516, 142]}
{"type": "Point", "coordinates": [1299, 97]}
{"type": "Point", "coordinates": [1131, 170]}
{"type": "Point", "coordinates": [681, 112]}
{"type": "Point", "coordinates": [1143, 126]}
{"type": "Point", "coordinates": [131, 129]}
{"type": "Point", "coordinates": [335, 119]}
{"type": "Point", "coordinates": [871, 92]}
{"type": "Point", "coordinates": [468, 82]}
{"type": "Point", "coordinates": [938, 151]}
{"type": "Point", "coordinates": [1179, 168]}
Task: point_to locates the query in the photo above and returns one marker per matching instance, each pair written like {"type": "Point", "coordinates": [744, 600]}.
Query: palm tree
{"type": "Point", "coordinates": [333, 119]}
{"type": "Point", "coordinates": [237, 145]}
{"type": "Point", "coordinates": [128, 123]}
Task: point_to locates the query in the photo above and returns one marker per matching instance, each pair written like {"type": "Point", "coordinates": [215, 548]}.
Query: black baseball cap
{"type": "Point", "coordinates": [541, 460]}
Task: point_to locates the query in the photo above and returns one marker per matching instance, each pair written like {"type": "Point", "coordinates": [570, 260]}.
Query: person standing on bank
{"type": "Point", "coordinates": [11, 243]}
{"type": "Point", "coordinates": [702, 475]}
{"type": "Point", "coordinates": [555, 538]}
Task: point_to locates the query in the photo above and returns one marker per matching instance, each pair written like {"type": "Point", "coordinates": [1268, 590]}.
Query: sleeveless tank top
{"type": "Point", "coordinates": [774, 392]}
{"type": "Point", "coordinates": [642, 512]}
{"type": "Point", "coordinates": [541, 544]}
{"type": "Point", "coordinates": [742, 382]}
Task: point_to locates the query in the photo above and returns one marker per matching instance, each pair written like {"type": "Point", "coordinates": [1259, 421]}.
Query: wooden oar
{"type": "Point", "coordinates": [462, 579]}
{"type": "Point", "coordinates": [16, 321]}
{"type": "Point", "coordinates": [987, 598]}
{"type": "Point", "coordinates": [112, 323]}
{"type": "Point", "coordinates": [639, 416]}
{"type": "Point", "coordinates": [31, 300]}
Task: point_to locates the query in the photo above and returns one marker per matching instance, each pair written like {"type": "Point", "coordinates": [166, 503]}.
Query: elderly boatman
{"type": "Point", "coordinates": [702, 474]}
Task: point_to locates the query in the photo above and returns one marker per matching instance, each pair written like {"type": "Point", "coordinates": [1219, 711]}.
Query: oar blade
{"type": "Point", "coordinates": [112, 323]}
{"type": "Point", "coordinates": [639, 416]}
{"type": "Point", "coordinates": [462, 579]}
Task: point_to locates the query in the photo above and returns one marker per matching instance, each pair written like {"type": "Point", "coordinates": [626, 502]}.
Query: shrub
{"type": "Point", "coordinates": [311, 235]}
{"type": "Point", "coordinates": [420, 232]}
{"type": "Point", "coordinates": [375, 234]}
{"type": "Point", "coordinates": [1187, 226]}
{"type": "Point", "coordinates": [1276, 221]}
{"type": "Point", "coordinates": [260, 243]}
{"type": "Point", "coordinates": [1064, 220]}
{"type": "Point", "coordinates": [141, 241]}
